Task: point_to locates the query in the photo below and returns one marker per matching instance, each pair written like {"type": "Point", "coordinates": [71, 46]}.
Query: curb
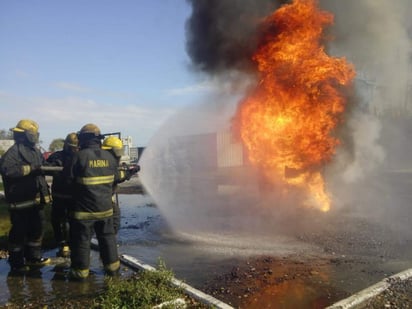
{"type": "Point", "coordinates": [370, 292]}
{"type": "Point", "coordinates": [189, 290]}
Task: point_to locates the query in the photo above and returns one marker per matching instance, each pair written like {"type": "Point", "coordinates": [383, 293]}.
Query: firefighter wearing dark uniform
{"type": "Point", "coordinates": [62, 195]}
{"type": "Point", "coordinates": [92, 173]}
{"type": "Point", "coordinates": [26, 192]}
{"type": "Point", "coordinates": [115, 146]}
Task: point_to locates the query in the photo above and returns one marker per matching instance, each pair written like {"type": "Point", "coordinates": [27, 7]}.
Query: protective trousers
{"type": "Point", "coordinates": [26, 234]}
{"type": "Point", "coordinates": [59, 219]}
{"type": "Point", "coordinates": [81, 232]}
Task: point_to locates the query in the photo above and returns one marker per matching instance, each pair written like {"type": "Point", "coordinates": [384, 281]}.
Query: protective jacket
{"type": "Point", "coordinates": [20, 183]}
{"type": "Point", "coordinates": [91, 174]}
{"type": "Point", "coordinates": [59, 186]}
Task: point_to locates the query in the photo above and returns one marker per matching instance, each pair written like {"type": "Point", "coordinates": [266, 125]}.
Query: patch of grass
{"type": "Point", "coordinates": [144, 290]}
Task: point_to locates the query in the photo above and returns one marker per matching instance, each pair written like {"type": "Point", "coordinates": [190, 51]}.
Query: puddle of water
{"type": "Point", "coordinates": [193, 257]}
{"type": "Point", "coordinates": [145, 235]}
{"type": "Point", "coordinates": [293, 294]}
{"type": "Point", "coordinates": [49, 283]}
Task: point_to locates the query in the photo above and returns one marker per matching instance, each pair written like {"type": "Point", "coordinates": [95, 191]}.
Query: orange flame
{"type": "Point", "coordinates": [287, 122]}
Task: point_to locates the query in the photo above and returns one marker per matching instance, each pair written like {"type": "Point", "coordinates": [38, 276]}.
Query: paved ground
{"type": "Point", "coordinates": [356, 254]}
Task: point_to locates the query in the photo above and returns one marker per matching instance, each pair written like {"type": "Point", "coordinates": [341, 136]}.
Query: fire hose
{"type": "Point", "coordinates": [25, 204]}
{"type": "Point", "coordinates": [51, 168]}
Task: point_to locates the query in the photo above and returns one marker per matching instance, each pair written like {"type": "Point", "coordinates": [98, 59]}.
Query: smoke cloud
{"type": "Point", "coordinates": [376, 37]}
{"type": "Point", "coordinates": [222, 35]}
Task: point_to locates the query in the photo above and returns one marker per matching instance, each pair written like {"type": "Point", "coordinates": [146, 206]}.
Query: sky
{"type": "Point", "coordinates": [119, 64]}
{"type": "Point", "coordinates": [124, 66]}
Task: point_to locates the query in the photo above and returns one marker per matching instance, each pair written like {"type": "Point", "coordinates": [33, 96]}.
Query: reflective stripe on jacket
{"type": "Point", "coordinates": [95, 180]}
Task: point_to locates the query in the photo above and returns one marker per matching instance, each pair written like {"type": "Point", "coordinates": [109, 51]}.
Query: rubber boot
{"type": "Point", "coordinates": [112, 269]}
{"type": "Point", "coordinates": [64, 250]}
{"type": "Point", "coordinates": [34, 258]}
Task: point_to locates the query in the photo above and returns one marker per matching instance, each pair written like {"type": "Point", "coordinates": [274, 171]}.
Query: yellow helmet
{"type": "Point", "coordinates": [71, 142]}
{"type": "Point", "coordinates": [114, 144]}
{"type": "Point", "coordinates": [27, 128]}
{"type": "Point", "coordinates": [26, 125]}
{"type": "Point", "coordinates": [90, 128]}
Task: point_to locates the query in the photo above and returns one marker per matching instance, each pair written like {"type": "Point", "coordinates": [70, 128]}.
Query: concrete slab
{"type": "Point", "coordinates": [370, 292]}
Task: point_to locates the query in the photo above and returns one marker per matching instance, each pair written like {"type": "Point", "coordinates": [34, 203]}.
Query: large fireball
{"type": "Point", "coordinates": [287, 122]}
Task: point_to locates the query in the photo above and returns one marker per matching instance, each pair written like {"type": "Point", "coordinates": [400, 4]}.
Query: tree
{"type": "Point", "coordinates": [6, 134]}
{"type": "Point", "coordinates": [56, 144]}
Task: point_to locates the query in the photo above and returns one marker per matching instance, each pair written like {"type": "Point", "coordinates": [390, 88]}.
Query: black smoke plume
{"type": "Point", "coordinates": [222, 35]}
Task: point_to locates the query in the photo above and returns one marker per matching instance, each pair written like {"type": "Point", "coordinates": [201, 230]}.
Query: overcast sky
{"type": "Point", "coordinates": [119, 64]}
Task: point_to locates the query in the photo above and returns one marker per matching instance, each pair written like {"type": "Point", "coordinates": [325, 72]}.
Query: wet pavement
{"type": "Point", "coordinates": [314, 268]}
{"type": "Point", "coordinates": [48, 285]}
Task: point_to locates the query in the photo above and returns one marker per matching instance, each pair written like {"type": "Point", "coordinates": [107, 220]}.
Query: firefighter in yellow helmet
{"type": "Point", "coordinates": [62, 195]}
{"type": "Point", "coordinates": [91, 175]}
{"type": "Point", "coordinates": [115, 146]}
{"type": "Point", "coordinates": [26, 192]}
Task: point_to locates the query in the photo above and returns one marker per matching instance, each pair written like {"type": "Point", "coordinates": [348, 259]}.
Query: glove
{"type": "Point", "coordinates": [134, 170]}
{"type": "Point", "coordinates": [35, 170]}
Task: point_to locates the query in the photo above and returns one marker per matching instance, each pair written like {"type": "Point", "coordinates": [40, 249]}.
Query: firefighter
{"type": "Point", "coordinates": [115, 146]}
{"type": "Point", "coordinates": [62, 195]}
{"type": "Point", "coordinates": [26, 192]}
{"type": "Point", "coordinates": [91, 173]}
